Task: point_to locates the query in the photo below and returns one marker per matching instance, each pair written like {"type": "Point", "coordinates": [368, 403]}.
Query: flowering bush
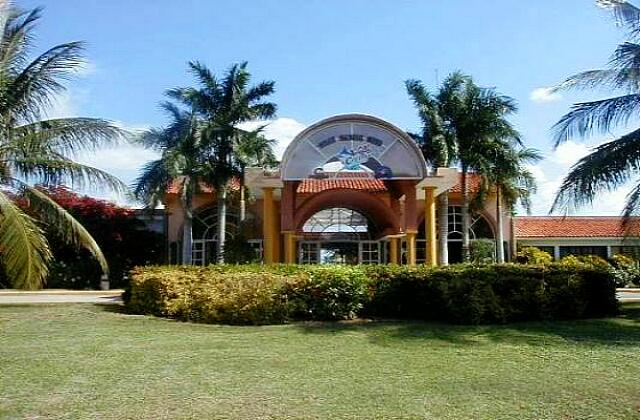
{"type": "Point", "coordinates": [123, 238]}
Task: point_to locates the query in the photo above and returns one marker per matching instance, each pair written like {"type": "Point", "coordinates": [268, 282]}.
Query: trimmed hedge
{"type": "Point", "coordinates": [466, 294]}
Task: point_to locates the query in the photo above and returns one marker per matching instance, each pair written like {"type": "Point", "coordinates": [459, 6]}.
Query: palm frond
{"type": "Point", "coordinates": [68, 136]}
{"type": "Point", "coordinates": [25, 252]}
{"type": "Point", "coordinates": [32, 90]}
{"type": "Point", "coordinates": [63, 224]}
{"type": "Point", "coordinates": [600, 116]}
{"type": "Point", "coordinates": [625, 13]}
{"type": "Point", "coordinates": [58, 170]}
{"type": "Point", "coordinates": [608, 166]}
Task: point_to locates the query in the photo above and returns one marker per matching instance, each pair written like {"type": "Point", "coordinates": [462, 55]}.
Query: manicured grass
{"type": "Point", "coordinates": [85, 361]}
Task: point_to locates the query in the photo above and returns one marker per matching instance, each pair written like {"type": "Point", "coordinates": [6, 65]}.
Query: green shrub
{"type": "Point", "coordinates": [466, 294]}
{"type": "Point", "coordinates": [482, 251]}
{"type": "Point", "coordinates": [533, 255]}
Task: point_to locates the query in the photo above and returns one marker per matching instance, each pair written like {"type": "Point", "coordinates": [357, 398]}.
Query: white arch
{"type": "Point", "coordinates": [357, 143]}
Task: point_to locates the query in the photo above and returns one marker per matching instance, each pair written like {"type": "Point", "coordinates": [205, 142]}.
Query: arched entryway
{"type": "Point", "coordinates": [339, 235]}
{"type": "Point", "coordinates": [205, 233]}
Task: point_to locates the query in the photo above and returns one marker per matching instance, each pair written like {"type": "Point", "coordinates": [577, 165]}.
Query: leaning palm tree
{"type": "Point", "coordinates": [182, 164]}
{"type": "Point", "coordinates": [252, 149]}
{"type": "Point", "coordinates": [37, 150]}
{"type": "Point", "coordinates": [221, 105]}
{"type": "Point", "coordinates": [479, 119]}
{"type": "Point", "coordinates": [437, 143]}
{"type": "Point", "coordinates": [617, 161]}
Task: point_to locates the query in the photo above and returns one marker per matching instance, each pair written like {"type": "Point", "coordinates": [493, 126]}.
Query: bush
{"type": "Point", "coordinates": [465, 294]}
{"type": "Point", "coordinates": [482, 251]}
{"type": "Point", "coordinates": [533, 255]}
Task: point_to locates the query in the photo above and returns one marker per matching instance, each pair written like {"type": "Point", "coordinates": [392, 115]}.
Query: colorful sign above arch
{"type": "Point", "coordinates": [353, 144]}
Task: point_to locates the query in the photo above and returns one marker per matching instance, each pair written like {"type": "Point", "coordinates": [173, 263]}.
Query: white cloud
{"type": "Point", "coordinates": [544, 94]}
{"type": "Point", "coordinates": [281, 129]}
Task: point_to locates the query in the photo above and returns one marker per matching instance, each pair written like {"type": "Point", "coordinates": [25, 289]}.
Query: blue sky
{"type": "Point", "coordinates": [330, 56]}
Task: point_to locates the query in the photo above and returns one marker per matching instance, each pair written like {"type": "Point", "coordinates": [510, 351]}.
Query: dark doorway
{"type": "Point", "coordinates": [455, 252]}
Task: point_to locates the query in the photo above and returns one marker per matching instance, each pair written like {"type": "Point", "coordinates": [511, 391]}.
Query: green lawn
{"type": "Point", "coordinates": [85, 361]}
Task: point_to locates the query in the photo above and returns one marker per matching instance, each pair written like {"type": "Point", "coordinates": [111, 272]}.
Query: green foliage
{"type": "Point", "coordinates": [466, 294]}
{"type": "Point", "coordinates": [482, 251]}
{"type": "Point", "coordinates": [34, 149]}
{"type": "Point", "coordinates": [533, 255]}
{"type": "Point", "coordinates": [237, 250]}
{"type": "Point", "coordinates": [588, 260]}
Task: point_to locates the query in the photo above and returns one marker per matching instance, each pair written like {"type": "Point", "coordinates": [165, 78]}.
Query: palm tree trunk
{"type": "Point", "coordinates": [466, 218]}
{"type": "Point", "coordinates": [243, 204]}
{"type": "Point", "coordinates": [222, 223]}
{"type": "Point", "coordinates": [443, 228]}
{"type": "Point", "coordinates": [499, 230]}
{"type": "Point", "coordinates": [187, 230]}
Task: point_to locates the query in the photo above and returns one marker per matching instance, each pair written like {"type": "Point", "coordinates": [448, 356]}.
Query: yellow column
{"type": "Point", "coordinates": [276, 232]}
{"type": "Point", "coordinates": [267, 225]}
{"type": "Point", "coordinates": [430, 225]}
{"type": "Point", "coordinates": [289, 247]}
{"type": "Point", "coordinates": [411, 247]}
{"type": "Point", "coordinates": [393, 251]}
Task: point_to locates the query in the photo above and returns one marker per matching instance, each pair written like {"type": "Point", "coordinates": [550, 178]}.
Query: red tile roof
{"type": "Point", "coordinates": [473, 183]}
{"type": "Point", "coordinates": [174, 188]}
{"type": "Point", "coordinates": [571, 227]}
{"type": "Point", "coordinates": [343, 182]}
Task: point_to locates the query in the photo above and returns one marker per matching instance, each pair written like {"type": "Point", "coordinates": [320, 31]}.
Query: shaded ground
{"type": "Point", "coordinates": [89, 361]}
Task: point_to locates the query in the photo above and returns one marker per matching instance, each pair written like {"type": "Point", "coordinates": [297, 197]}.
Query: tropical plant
{"type": "Point", "coordinates": [478, 118]}
{"type": "Point", "coordinates": [35, 149]}
{"type": "Point", "coordinates": [221, 105]}
{"type": "Point", "coordinates": [252, 149]}
{"type": "Point", "coordinates": [182, 164]}
{"type": "Point", "coordinates": [507, 175]}
{"type": "Point", "coordinates": [615, 162]}
{"type": "Point", "coordinates": [200, 144]}
{"type": "Point", "coordinates": [437, 143]}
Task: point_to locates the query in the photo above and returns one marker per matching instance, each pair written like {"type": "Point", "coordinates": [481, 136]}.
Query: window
{"type": "Point", "coordinates": [369, 252]}
{"type": "Point", "coordinates": [479, 227]}
{"type": "Point", "coordinates": [600, 251]}
{"type": "Point", "coordinates": [309, 253]}
{"type": "Point", "coordinates": [338, 223]}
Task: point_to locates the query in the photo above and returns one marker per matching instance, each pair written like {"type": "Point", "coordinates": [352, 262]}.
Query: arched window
{"type": "Point", "coordinates": [478, 229]}
{"type": "Point", "coordinates": [205, 233]}
{"type": "Point", "coordinates": [338, 223]}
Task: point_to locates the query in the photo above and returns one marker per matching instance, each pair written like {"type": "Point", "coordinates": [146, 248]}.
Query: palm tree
{"type": "Point", "coordinates": [478, 117]}
{"type": "Point", "coordinates": [513, 183]}
{"type": "Point", "coordinates": [182, 163]}
{"type": "Point", "coordinates": [34, 149]}
{"type": "Point", "coordinates": [216, 108]}
{"type": "Point", "coordinates": [252, 149]}
{"type": "Point", "coordinates": [615, 162]}
{"type": "Point", "coordinates": [437, 143]}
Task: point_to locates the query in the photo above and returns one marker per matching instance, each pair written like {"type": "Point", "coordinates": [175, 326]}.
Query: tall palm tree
{"type": "Point", "coordinates": [218, 106]}
{"type": "Point", "coordinates": [478, 117]}
{"type": "Point", "coordinates": [437, 143]}
{"type": "Point", "coordinates": [182, 163]}
{"type": "Point", "coordinates": [34, 149]}
{"type": "Point", "coordinates": [617, 161]}
{"type": "Point", "coordinates": [513, 183]}
{"type": "Point", "coordinates": [252, 149]}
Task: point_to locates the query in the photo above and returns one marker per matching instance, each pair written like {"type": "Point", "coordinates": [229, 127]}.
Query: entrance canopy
{"type": "Point", "coordinates": [353, 144]}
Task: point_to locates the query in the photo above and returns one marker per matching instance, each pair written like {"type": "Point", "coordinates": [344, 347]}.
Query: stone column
{"type": "Point", "coordinates": [430, 225]}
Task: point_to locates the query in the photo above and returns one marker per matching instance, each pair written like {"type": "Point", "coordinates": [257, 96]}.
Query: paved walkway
{"type": "Point", "coordinates": [108, 297]}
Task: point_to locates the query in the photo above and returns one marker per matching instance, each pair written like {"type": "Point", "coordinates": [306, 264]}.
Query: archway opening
{"type": "Point", "coordinates": [339, 235]}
